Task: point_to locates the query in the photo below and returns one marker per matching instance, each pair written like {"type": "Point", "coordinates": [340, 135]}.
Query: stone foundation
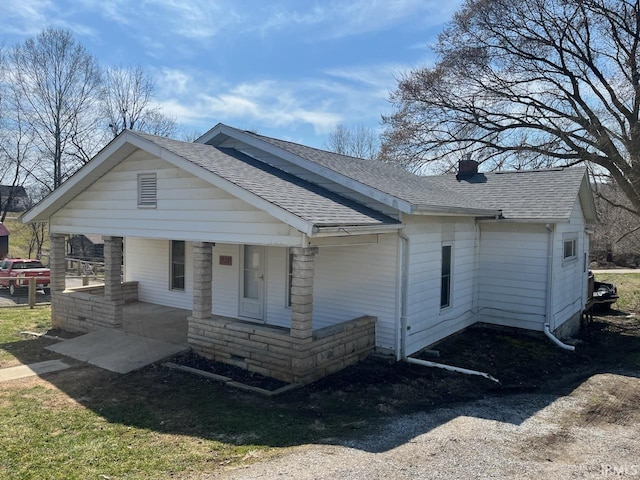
{"type": "Point", "coordinates": [84, 309]}
{"type": "Point", "coordinates": [273, 352]}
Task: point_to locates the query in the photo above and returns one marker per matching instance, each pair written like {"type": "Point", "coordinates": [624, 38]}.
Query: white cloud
{"type": "Point", "coordinates": [24, 17]}
{"type": "Point", "coordinates": [320, 104]}
{"type": "Point", "coordinates": [336, 18]}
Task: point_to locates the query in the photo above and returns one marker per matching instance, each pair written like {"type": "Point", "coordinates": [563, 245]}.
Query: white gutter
{"type": "Point", "coordinates": [555, 339]}
{"type": "Point", "coordinates": [426, 363]}
{"type": "Point", "coordinates": [319, 231]}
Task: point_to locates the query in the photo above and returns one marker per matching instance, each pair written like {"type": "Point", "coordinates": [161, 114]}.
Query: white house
{"type": "Point", "coordinates": [295, 262]}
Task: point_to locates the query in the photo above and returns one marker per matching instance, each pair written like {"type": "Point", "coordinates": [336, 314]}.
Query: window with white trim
{"type": "Point", "coordinates": [147, 190]}
{"type": "Point", "coordinates": [177, 264]}
{"type": "Point", "coordinates": [445, 277]}
{"type": "Point", "coordinates": [570, 249]}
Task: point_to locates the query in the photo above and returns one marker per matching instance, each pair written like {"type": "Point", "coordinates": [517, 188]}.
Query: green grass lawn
{"type": "Point", "coordinates": [86, 423]}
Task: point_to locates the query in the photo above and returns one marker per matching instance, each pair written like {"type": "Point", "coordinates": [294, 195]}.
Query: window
{"type": "Point", "coordinates": [177, 265]}
{"type": "Point", "coordinates": [289, 276]}
{"type": "Point", "coordinates": [570, 250]}
{"type": "Point", "coordinates": [147, 190]}
{"type": "Point", "coordinates": [445, 283]}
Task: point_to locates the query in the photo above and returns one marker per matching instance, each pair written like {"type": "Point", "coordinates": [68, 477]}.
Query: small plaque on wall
{"type": "Point", "coordinates": [226, 260]}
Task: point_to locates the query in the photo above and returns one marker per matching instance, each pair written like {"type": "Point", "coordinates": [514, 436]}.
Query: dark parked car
{"type": "Point", "coordinates": [604, 294]}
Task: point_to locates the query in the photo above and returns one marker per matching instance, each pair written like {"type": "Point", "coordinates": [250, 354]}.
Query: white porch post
{"type": "Point", "coordinates": [113, 278]}
{"type": "Point", "coordinates": [202, 280]}
{"type": "Point", "coordinates": [57, 262]}
{"type": "Point", "coordinates": [302, 292]}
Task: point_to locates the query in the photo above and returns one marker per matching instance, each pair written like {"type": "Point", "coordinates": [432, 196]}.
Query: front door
{"type": "Point", "coordinates": [252, 282]}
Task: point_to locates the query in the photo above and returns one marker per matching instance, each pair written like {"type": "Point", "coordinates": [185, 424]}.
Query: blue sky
{"type": "Point", "coordinates": [284, 68]}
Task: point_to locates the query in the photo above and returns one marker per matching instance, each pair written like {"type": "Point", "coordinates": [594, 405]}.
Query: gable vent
{"type": "Point", "coordinates": [147, 190]}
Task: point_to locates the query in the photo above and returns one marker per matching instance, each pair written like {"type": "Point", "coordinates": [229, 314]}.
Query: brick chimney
{"type": "Point", "coordinates": [467, 168]}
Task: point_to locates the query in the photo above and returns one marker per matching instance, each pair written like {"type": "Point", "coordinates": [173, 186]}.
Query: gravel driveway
{"type": "Point", "coordinates": [591, 433]}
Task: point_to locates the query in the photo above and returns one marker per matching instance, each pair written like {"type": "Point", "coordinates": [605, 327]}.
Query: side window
{"type": "Point", "coordinates": [445, 277]}
{"type": "Point", "coordinates": [570, 249]}
{"type": "Point", "coordinates": [177, 264]}
{"type": "Point", "coordinates": [289, 276]}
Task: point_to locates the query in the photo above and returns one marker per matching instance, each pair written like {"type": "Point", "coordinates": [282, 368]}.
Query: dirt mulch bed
{"type": "Point", "coordinates": [237, 374]}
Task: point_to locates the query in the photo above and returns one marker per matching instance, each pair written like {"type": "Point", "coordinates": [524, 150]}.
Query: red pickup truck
{"type": "Point", "coordinates": [15, 273]}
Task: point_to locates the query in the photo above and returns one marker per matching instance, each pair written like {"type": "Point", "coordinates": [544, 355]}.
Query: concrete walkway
{"type": "Point", "coordinates": [116, 351]}
{"type": "Point", "coordinates": [40, 368]}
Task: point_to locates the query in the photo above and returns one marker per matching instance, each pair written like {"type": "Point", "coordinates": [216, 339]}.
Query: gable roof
{"type": "Point", "coordinates": [300, 204]}
{"type": "Point", "coordinates": [378, 180]}
{"type": "Point", "coordinates": [541, 196]}
{"type": "Point", "coordinates": [537, 195]}
{"type": "Point", "coordinates": [312, 203]}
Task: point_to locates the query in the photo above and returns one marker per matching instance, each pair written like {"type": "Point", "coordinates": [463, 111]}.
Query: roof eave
{"type": "Point", "coordinates": [458, 211]}
{"type": "Point", "coordinates": [340, 230]}
{"type": "Point", "coordinates": [541, 221]}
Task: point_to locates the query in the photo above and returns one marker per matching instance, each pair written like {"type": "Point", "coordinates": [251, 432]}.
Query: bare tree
{"type": "Point", "coordinates": [556, 81]}
{"type": "Point", "coordinates": [58, 82]}
{"type": "Point", "coordinates": [358, 142]}
{"type": "Point", "coordinates": [127, 103]}
{"type": "Point", "coordinates": [617, 236]}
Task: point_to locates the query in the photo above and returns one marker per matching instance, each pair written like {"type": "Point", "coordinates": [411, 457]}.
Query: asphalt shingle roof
{"type": "Point", "coordinates": [533, 194]}
{"type": "Point", "coordinates": [527, 195]}
{"type": "Point", "coordinates": [389, 179]}
{"type": "Point", "coordinates": [308, 201]}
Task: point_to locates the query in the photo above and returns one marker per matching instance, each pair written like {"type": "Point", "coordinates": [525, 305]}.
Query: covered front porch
{"type": "Point", "coordinates": [298, 354]}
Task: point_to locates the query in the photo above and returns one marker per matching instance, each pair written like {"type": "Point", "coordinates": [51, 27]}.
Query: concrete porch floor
{"type": "Point", "coordinates": [159, 322]}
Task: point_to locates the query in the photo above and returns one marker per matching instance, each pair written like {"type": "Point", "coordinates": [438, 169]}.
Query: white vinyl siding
{"type": "Point", "coordinates": [188, 208]}
{"type": "Point", "coordinates": [512, 284]}
{"type": "Point", "coordinates": [358, 280]}
{"type": "Point", "coordinates": [349, 282]}
{"type": "Point", "coordinates": [147, 261]}
{"type": "Point", "coordinates": [426, 321]}
{"type": "Point", "coordinates": [569, 276]}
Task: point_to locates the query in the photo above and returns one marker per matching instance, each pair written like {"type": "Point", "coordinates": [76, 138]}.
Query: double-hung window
{"type": "Point", "coordinates": [177, 264]}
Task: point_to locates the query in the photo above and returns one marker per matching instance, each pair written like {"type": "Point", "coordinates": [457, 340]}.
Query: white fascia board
{"type": "Point", "coordinates": [540, 221]}
{"type": "Point", "coordinates": [455, 211]}
{"type": "Point", "coordinates": [327, 173]}
{"type": "Point", "coordinates": [337, 231]}
{"type": "Point", "coordinates": [116, 150]}
{"type": "Point", "coordinates": [226, 185]}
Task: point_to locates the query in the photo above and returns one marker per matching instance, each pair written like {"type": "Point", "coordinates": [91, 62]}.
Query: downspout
{"type": "Point", "coordinates": [404, 293]}
{"type": "Point", "coordinates": [549, 303]}
{"type": "Point", "coordinates": [426, 363]}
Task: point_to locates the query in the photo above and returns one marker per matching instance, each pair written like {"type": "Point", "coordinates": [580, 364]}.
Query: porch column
{"type": "Point", "coordinates": [302, 292]}
{"type": "Point", "coordinates": [202, 280]}
{"type": "Point", "coordinates": [57, 262]}
{"type": "Point", "coordinates": [113, 277]}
